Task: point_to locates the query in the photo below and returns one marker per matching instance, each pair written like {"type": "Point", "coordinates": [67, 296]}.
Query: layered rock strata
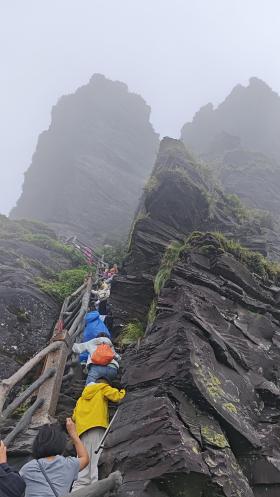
{"type": "Point", "coordinates": [201, 416]}
{"type": "Point", "coordinates": [28, 251]}
{"type": "Point", "coordinates": [179, 198]}
{"type": "Point", "coordinates": [238, 140]}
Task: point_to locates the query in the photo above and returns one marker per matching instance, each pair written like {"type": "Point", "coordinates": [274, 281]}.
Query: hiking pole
{"type": "Point", "coordinates": [101, 445]}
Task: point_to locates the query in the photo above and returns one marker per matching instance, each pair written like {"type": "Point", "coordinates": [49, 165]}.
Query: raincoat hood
{"type": "Point", "coordinates": [91, 410]}
{"type": "Point", "coordinates": [91, 390]}
{"type": "Point", "coordinates": [92, 316]}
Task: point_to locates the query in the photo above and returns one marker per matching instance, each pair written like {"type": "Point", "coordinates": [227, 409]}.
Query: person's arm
{"type": "Point", "coordinates": [82, 453]}
{"type": "Point", "coordinates": [113, 394]}
{"type": "Point", "coordinates": [12, 483]}
{"type": "Point", "coordinates": [78, 348]}
{"type": "Point", "coordinates": [82, 347]}
{"type": "Point", "coordinates": [118, 357]}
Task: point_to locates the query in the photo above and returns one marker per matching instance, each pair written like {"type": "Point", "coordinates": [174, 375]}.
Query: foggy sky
{"type": "Point", "coordinates": [178, 54]}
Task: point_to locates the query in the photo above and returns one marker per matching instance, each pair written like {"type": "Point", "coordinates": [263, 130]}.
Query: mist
{"type": "Point", "coordinates": [178, 55]}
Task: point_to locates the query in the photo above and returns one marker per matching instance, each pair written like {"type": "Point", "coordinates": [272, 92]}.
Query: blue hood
{"type": "Point", "coordinates": [92, 316]}
{"type": "Point", "coordinates": [94, 326]}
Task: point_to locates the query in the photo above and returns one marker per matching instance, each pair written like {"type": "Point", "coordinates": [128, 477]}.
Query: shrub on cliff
{"type": "Point", "coordinates": [64, 283]}
{"type": "Point", "coordinates": [131, 333]}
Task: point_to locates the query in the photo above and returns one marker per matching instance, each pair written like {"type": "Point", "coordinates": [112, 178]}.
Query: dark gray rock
{"type": "Point", "coordinates": [203, 386]}
{"type": "Point", "coordinates": [239, 142]}
{"type": "Point", "coordinates": [90, 166]}
{"type": "Point", "coordinates": [249, 116]}
{"type": "Point", "coordinates": [27, 313]}
{"type": "Point", "coordinates": [202, 411]}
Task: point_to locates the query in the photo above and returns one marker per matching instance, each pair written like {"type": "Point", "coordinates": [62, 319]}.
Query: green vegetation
{"type": "Point", "coordinates": [214, 438]}
{"type": "Point", "coordinates": [229, 406]}
{"type": "Point", "coordinates": [131, 333]}
{"type": "Point", "coordinates": [139, 217]}
{"type": "Point", "coordinates": [64, 283]}
{"type": "Point", "coordinates": [49, 243]}
{"type": "Point", "coordinates": [152, 312]}
{"type": "Point", "coordinates": [39, 234]}
{"type": "Point", "coordinates": [170, 257]}
{"type": "Point", "coordinates": [234, 206]}
{"type": "Point", "coordinates": [211, 199]}
{"type": "Point", "coordinates": [243, 214]}
{"type": "Point", "coordinates": [254, 261]}
{"type": "Point", "coordinates": [17, 229]}
{"type": "Point", "coordinates": [151, 184]}
{"type": "Point", "coordinates": [113, 254]}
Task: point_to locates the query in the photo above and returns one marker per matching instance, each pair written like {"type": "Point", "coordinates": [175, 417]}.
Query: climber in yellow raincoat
{"type": "Point", "coordinates": [91, 416]}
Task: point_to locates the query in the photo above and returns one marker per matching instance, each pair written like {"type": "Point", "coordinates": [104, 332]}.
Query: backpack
{"type": "Point", "coordinates": [102, 355]}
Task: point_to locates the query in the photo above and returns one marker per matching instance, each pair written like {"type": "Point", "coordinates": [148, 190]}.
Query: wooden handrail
{"type": "Point", "coordinates": [50, 390]}
{"type": "Point", "coordinates": [7, 384]}
{"type": "Point", "coordinates": [84, 307]}
{"type": "Point", "coordinates": [55, 354]}
{"type": "Point", "coordinates": [24, 422]}
{"type": "Point", "coordinates": [27, 393]}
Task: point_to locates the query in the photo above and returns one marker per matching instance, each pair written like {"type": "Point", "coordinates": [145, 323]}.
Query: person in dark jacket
{"type": "Point", "coordinates": [11, 483]}
{"type": "Point", "coordinates": [94, 326]}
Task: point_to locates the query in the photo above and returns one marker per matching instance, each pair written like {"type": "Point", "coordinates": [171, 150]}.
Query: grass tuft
{"type": "Point", "coordinates": [64, 283]}
{"type": "Point", "coordinates": [131, 333]}
{"type": "Point", "coordinates": [170, 257]}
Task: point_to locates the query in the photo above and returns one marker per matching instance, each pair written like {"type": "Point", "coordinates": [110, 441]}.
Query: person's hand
{"type": "Point", "coordinates": [71, 428]}
{"type": "Point", "coordinates": [3, 453]}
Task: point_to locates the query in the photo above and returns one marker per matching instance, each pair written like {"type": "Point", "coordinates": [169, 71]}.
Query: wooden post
{"type": "Point", "coordinates": [24, 422]}
{"type": "Point", "coordinates": [50, 390]}
{"type": "Point", "coordinates": [26, 394]}
{"type": "Point", "coordinates": [7, 384]}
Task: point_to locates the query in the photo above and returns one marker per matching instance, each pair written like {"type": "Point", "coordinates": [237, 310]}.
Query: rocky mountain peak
{"type": "Point", "coordinates": [250, 112]}
{"type": "Point", "coordinates": [89, 167]}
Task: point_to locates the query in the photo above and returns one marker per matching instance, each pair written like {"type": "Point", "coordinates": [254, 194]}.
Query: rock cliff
{"type": "Point", "coordinates": [239, 141]}
{"type": "Point", "coordinates": [89, 167]}
{"type": "Point", "coordinates": [29, 252]}
{"type": "Point", "coordinates": [201, 415]}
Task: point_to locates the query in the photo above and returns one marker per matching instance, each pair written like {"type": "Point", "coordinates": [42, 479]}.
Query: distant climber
{"type": "Point", "coordinates": [50, 473]}
{"type": "Point", "coordinates": [11, 483]}
{"type": "Point", "coordinates": [94, 326]}
{"type": "Point", "coordinates": [102, 358]}
{"type": "Point", "coordinates": [109, 274]}
{"type": "Point", "coordinates": [102, 292]}
{"type": "Point", "coordinates": [91, 416]}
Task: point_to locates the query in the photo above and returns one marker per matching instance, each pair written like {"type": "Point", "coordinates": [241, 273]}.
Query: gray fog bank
{"type": "Point", "coordinates": [177, 54]}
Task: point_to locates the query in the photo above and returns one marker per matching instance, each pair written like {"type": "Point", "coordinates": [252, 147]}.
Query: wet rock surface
{"type": "Point", "coordinates": [201, 416]}
{"type": "Point", "coordinates": [203, 386]}
{"type": "Point", "coordinates": [27, 313]}
{"type": "Point", "coordinates": [177, 201]}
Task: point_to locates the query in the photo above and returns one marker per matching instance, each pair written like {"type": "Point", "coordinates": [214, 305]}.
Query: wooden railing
{"type": "Point", "coordinates": [47, 387]}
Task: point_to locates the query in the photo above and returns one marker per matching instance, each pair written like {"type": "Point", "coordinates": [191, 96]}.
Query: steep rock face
{"type": "Point", "coordinates": [251, 113]}
{"type": "Point", "coordinates": [203, 386]}
{"type": "Point", "coordinates": [89, 167]}
{"type": "Point", "coordinates": [27, 313]}
{"type": "Point", "coordinates": [201, 415]}
{"type": "Point", "coordinates": [239, 140]}
{"type": "Point", "coordinates": [179, 198]}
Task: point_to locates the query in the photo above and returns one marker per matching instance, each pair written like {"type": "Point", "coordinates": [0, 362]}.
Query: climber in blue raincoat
{"type": "Point", "coordinates": [94, 326]}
